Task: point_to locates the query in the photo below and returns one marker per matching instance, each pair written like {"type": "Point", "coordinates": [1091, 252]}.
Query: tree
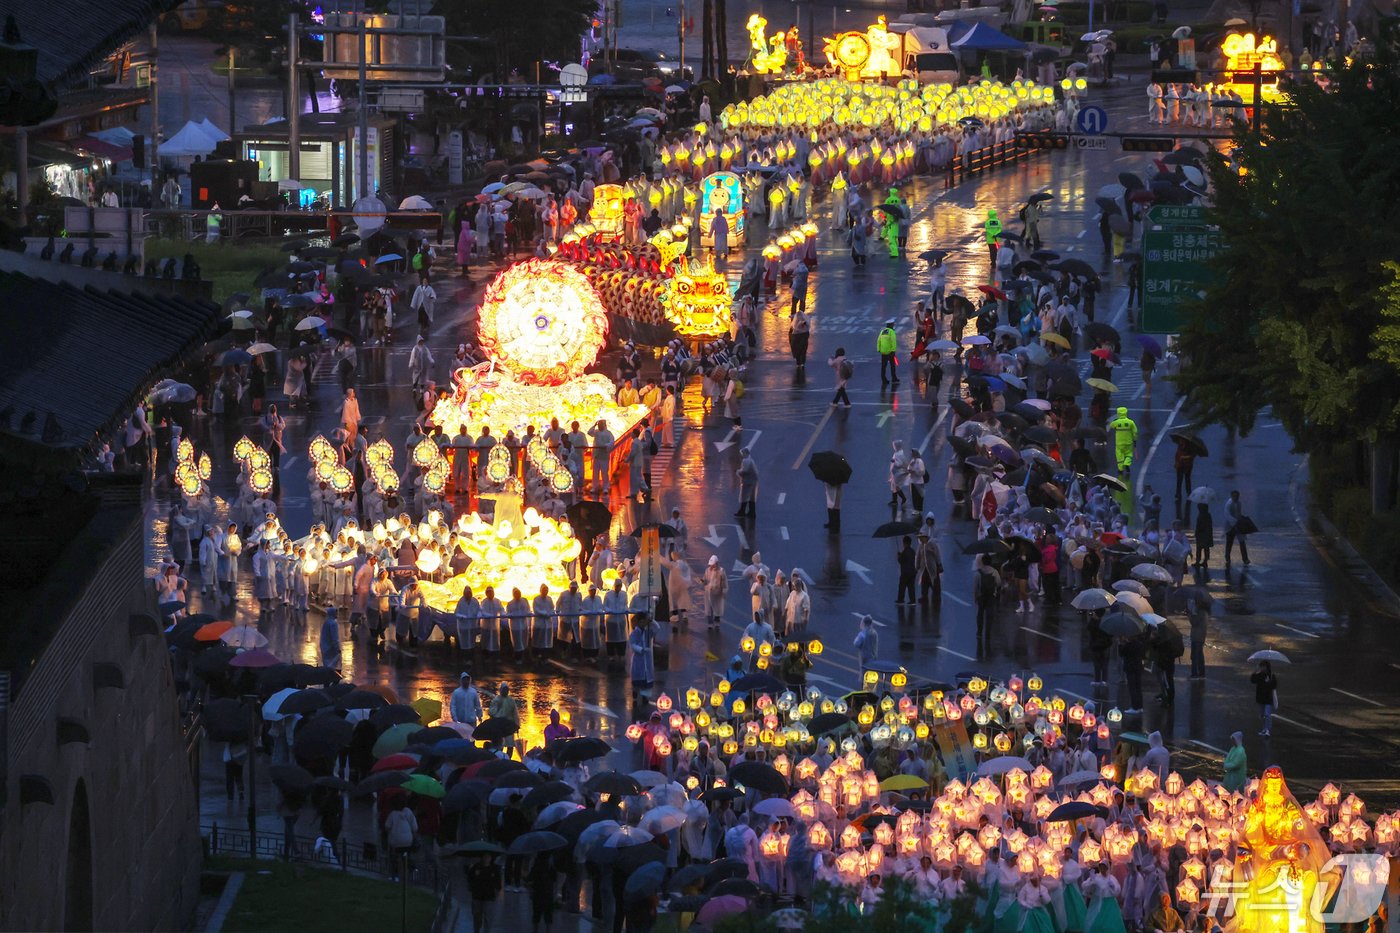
{"type": "Point", "coordinates": [258, 28]}
{"type": "Point", "coordinates": [1295, 321]}
{"type": "Point", "coordinates": [524, 31]}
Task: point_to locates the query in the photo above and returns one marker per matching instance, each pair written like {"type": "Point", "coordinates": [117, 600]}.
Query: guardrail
{"type": "Point", "coordinates": [986, 159]}
{"type": "Point", "coordinates": [366, 857]}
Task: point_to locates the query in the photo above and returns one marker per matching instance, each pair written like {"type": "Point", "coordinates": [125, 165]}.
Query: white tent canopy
{"type": "Point", "coordinates": [212, 131]}
{"type": "Point", "coordinates": [192, 140]}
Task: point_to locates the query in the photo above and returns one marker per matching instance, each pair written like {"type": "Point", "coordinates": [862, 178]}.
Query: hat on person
{"type": "Point", "coordinates": [714, 559]}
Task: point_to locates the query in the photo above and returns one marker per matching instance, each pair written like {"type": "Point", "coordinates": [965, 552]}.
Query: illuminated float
{"type": "Point", "coordinates": [873, 53]}
{"type": "Point", "coordinates": [543, 324]}
{"type": "Point", "coordinates": [722, 193]}
{"type": "Point", "coordinates": [607, 215]}
{"type": "Point", "coordinates": [1242, 53]}
{"type": "Point", "coordinates": [766, 55]}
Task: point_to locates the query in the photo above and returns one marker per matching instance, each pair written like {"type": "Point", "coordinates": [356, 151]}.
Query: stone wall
{"type": "Point", "coordinates": [95, 727]}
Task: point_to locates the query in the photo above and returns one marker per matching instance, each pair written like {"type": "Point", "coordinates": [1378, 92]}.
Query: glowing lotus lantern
{"type": "Point", "coordinates": [243, 448]}
{"type": "Point", "coordinates": [1330, 795]}
{"type": "Point", "coordinates": [1188, 894]}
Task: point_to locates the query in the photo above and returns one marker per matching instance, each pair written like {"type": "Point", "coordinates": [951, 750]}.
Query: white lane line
{"type": "Point", "coordinates": [811, 441]}
{"type": "Point", "coordinates": [1027, 628]}
{"type": "Point", "coordinates": [942, 415]}
{"type": "Point", "coordinates": [957, 654]}
{"type": "Point", "coordinates": [1297, 631]}
{"type": "Point", "coordinates": [1294, 722]}
{"type": "Point", "coordinates": [784, 532]}
{"type": "Point", "coordinates": [957, 599]}
{"type": "Point", "coordinates": [1355, 696]}
{"type": "Point", "coordinates": [1205, 745]}
{"type": "Point", "coordinates": [599, 710]}
{"type": "Point", "coordinates": [862, 615]}
{"type": "Point", "coordinates": [1082, 234]}
{"type": "Point", "coordinates": [782, 497]}
{"type": "Point", "coordinates": [1152, 451]}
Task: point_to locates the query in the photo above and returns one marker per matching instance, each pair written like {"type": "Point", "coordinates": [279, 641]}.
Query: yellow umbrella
{"type": "Point", "coordinates": [1056, 339]}
{"type": "Point", "coordinates": [1103, 384]}
{"type": "Point", "coordinates": [903, 782]}
{"type": "Point", "coordinates": [429, 710]}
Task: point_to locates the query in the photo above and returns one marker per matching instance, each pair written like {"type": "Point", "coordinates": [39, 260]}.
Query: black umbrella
{"type": "Point", "coordinates": [234, 357]}
{"type": "Point", "coordinates": [381, 781]}
{"type": "Point", "coordinates": [1129, 181]}
{"type": "Point", "coordinates": [830, 467]}
{"type": "Point", "coordinates": [718, 794]}
{"type": "Point", "coordinates": [1065, 379]}
{"type": "Point", "coordinates": [1041, 434]}
{"type": "Point", "coordinates": [432, 735]}
{"type": "Point", "coordinates": [1009, 419]}
{"type": "Point", "coordinates": [757, 682]}
{"type": "Point", "coordinates": [933, 255]}
{"type": "Point", "coordinates": [1099, 332]}
{"type": "Point", "coordinates": [319, 252]}
{"type": "Point", "coordinates": [962, 409]}
{"type": "Point", "coordinates": [693, 874]}
{"type": "Point", "coordinates": [1076, 267]}
{"type": "Point", "coordinates": [493, 730]}
{"type": "Point", "coordinates": [1121, 620]}
{"type": "Point", "coordinates": [465, 795]}
{"type": "Point", "coordinates": [331, 782]}
{"type": "Point", "coordinates": [896, 211]}
{"type": "Point", "coordinates": [613, 782]}
{"type": "Point", "coordinates": [1040, 275]}
{"type": "Point", "coordinates": [273, 278]}
{"type": "Point", "coordinates": [962, 446]}
{"type": "Point", "coordinates": [226, 720]}
{"type": "Point", "coordinates": [302, 268]}
{"type": "Point", "coordinates": [291, 778]}
{"type": "Point", "coordinates": [739, 887]}
{"type": "Point", "coordinates": [182, 635]}
{"type": "Point", "coordinates": [583, 748]}
{"type": "Point", "coordinates": [361, 699]}
{"type": "Point", "coordinates": [895, 529]}
{"type": "Point", "coordinates": [1103, 479]}
{"type": "Point", "coordinates": [547, 793]}
{"type": "Point", "coordinates": [345, 239]}
{"type": "Point", "coordinates": [393, 715]}
{"type": "Point", "coordinates": [1042, 515]}
{"type": "Point", "coordinates": [461, 751]}
{"type": "Point", "coordinates": [326, 727]}
{"type": "Point", "coordinates": [1045, 255]}
{"type": "Point", "coordinates": [989, 546]}
{"type": "Point", "coordinates": [1042, 196]}
{"type": "Point", "coordinates": [213, 660]}
{"type": "Point", "coordinates": [1074, 810]}
{"type": "Point", "coordinates": [589, 519]}
{"type": "Point", "coordinates": [494, 771]}
{"type": "Point", "coordinates": [1192, 442]}
{"type": "Point", "coordinates": [294, 246]}
{"type": "Point", "coordinates": [828, 722]}
{"type": "Point", "coordinates": [1090, 432]}
{"type": "Point", "coordinates": [758, 776]}
{"type": "Point", "coordinates": [305, 701]}
{"type": "Point", "coordinates": [573, 825]}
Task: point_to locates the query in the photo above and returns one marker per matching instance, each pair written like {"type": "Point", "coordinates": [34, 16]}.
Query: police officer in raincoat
{"type": "Point", "coordinates": [1125, 432]}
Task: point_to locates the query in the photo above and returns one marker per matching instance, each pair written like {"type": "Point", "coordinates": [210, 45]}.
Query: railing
{"type": "Point", "coordinates": [984, 160]}
{"type": "Point", "coordinates": [365, 857]}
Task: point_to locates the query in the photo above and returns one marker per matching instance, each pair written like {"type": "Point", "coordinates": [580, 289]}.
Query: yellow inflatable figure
{"type": "Point", "coordinates": [1278, 873]}
{"type": "Point", "coordinates": [761, 59]}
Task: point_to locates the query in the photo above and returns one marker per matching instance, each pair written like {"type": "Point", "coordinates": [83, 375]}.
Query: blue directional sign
{"type": "Point", "coordinates": [1091, 121]}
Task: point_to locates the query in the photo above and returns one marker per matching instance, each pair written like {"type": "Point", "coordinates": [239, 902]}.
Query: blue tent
{"type": "Point", "coordinates": [983, 38]}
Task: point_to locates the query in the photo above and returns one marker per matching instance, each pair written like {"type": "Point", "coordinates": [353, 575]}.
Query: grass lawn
{"type": "Point", "coordinates": [231, 267]}
{"type": "Point", "coordinates": [306, 899]}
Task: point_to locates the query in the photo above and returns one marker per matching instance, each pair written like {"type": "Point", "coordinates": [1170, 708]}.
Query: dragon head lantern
{"type": "Point", "coordinates": [699, 300]}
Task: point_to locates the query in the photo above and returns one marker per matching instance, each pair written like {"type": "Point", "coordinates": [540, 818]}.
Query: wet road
{"type": "Point", "coordinates": [1339, 699]}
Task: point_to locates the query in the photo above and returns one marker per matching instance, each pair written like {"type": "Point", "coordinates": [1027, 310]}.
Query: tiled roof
{"type": "Point", "coordinates": [75, 35]}
{"type": "Point", "coordinates": [74, 362]}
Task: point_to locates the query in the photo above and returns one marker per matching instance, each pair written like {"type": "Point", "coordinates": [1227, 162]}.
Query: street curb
{"type": "Point", "coordinates": [226, 900]}
{"type": "Point", "coordinates": [1327, 538]}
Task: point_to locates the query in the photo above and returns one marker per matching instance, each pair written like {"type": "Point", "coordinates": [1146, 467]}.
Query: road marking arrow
{"type": "Point", "coordinates": [858, 570]}
{"type": "Point", "coordinates": [882, 418]}
{"type": "Point", "coordinates": [715, 539]}
{"type": "Point", "coordinates": [729, 441]}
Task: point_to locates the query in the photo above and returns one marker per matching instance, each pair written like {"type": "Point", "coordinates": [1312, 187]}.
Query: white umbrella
{"type": "Point", "coordinates": [628, 836]}
{"type": "Point", "coordinates": [1012, 380]}
{"type": "Point", "coordinates": [1093, 598]}
{"type": "Point", "coordinates": [1181, 32]}
{"type": "Point", "coordinates": [662, 820]}
{"type": "Point", "coordinates": [262, 347]}
{"type": "Point", "coordinates": [1042, 404]}
{"type": "Point", "coordinates": [242, 314]}
{"type": "Point", "coordinates": [1138, 604]}
{"type": "Point", "coordinates": [310, 322]}
{"type": "Point", "coordinates": [1003, 764]}
{"type": "Point", "coordinates": [675, 89]}
{"type": "Point", "coordinates": [289, 184]}
{"type": "Point", "coordinates": [1151, 618]}
{"type": "Point", "coordinates": [556, 812]}
{"type": "Point", "coordinates": [592, 835]}
{"type": "Point", "coordinates": [1202, 495]}
{"type": "Point", "coordinates": [976, 340]}
{"type": "Point", "coordinates": [415, 202]}
{"type": "Point", "coordinates": [272, 709]}
{"type": "Point", "coordinates": [775, 807]}
{"type": "Point", "coordinates": [649, 778]}
{"type": "Point", "coordinates": [244, 636]}
{"type": "Point", "coordinates": [1078, 777]}
{"type": "Point", "coordinates": [1130, 586]}
{"type": "Point", "coordinates": [1268, 654]}
{"type": "Point", "coordinates": [1154, 573]}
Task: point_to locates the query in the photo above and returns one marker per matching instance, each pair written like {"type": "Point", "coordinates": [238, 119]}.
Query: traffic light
{"type": "Point", "coordinates": [1044, 140]}
{"type": "Point", "coordinates": [1148, 143]}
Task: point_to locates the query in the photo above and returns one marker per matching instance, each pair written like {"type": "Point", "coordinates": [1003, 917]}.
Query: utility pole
{"type": "Point", "coordinates": [154, 138]}
{"type": "Point", "coordinates": [293, 98]}
{"type": "Point", "coordinates": [232, 119]}
{"type": "Point", "coordinates": [363, 187]}
{"type": "Point", "coordinates": [680, 26]}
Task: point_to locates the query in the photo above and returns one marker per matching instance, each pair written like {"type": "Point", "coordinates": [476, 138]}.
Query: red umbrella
{"type": "Point", "coordinates": [993, 291]}
{"type": "Point", "coordinates": [212, 632]}
{"type": "Point", "coordinates": [1142, 196]}
{"type": "Point", "coordinates": [397, 762]}
{"type": "Point", "coordinates": [1102, 353]}
{"type": "Point", "coordinates": [258, 657]}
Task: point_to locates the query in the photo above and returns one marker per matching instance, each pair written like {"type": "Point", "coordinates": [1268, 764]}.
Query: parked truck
{"type": "Point", "coordinates": [925, 54]}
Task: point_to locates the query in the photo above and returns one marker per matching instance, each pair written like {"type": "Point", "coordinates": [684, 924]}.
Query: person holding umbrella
{"type": "Point", "coordinates": [1205, 534]}
{"type": "Point", "coordinates": [1183, 462]}
{"type": "Point", "coordinates": [1265, 694]}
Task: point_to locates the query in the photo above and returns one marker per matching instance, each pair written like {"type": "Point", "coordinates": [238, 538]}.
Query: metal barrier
{"type": "Point", "coordinates": [366, 857]}
{"type": "Point", "coordinates": [984, 160]}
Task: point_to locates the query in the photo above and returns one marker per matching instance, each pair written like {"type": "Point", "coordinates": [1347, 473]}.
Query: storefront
{"type": "Point", "coordinates": [330, 154]}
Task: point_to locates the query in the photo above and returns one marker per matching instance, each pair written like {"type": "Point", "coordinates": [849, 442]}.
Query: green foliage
{"type": "Point", "coordinates": [259, 28]}
{"type": "Point", "coordinates": [1295, 320]}
{"type": "Point", "coordinates": [310, 899]}
{"type": "Point", "coordinates": [230, 265]}
{"type": "Point", "coordinates": [524, 31]}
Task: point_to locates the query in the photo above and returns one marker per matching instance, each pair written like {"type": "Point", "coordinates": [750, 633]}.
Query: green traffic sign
{"type": "Point", "coordinates": [1164, 215]}
{"type": "Point", "coordinates": [1175, 271]}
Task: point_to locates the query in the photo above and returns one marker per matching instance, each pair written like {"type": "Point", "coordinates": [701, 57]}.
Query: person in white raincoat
{"type": "Point", "coordinates": [716, 588]}
{"type": "Point", "coordinates": [678, 580]}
